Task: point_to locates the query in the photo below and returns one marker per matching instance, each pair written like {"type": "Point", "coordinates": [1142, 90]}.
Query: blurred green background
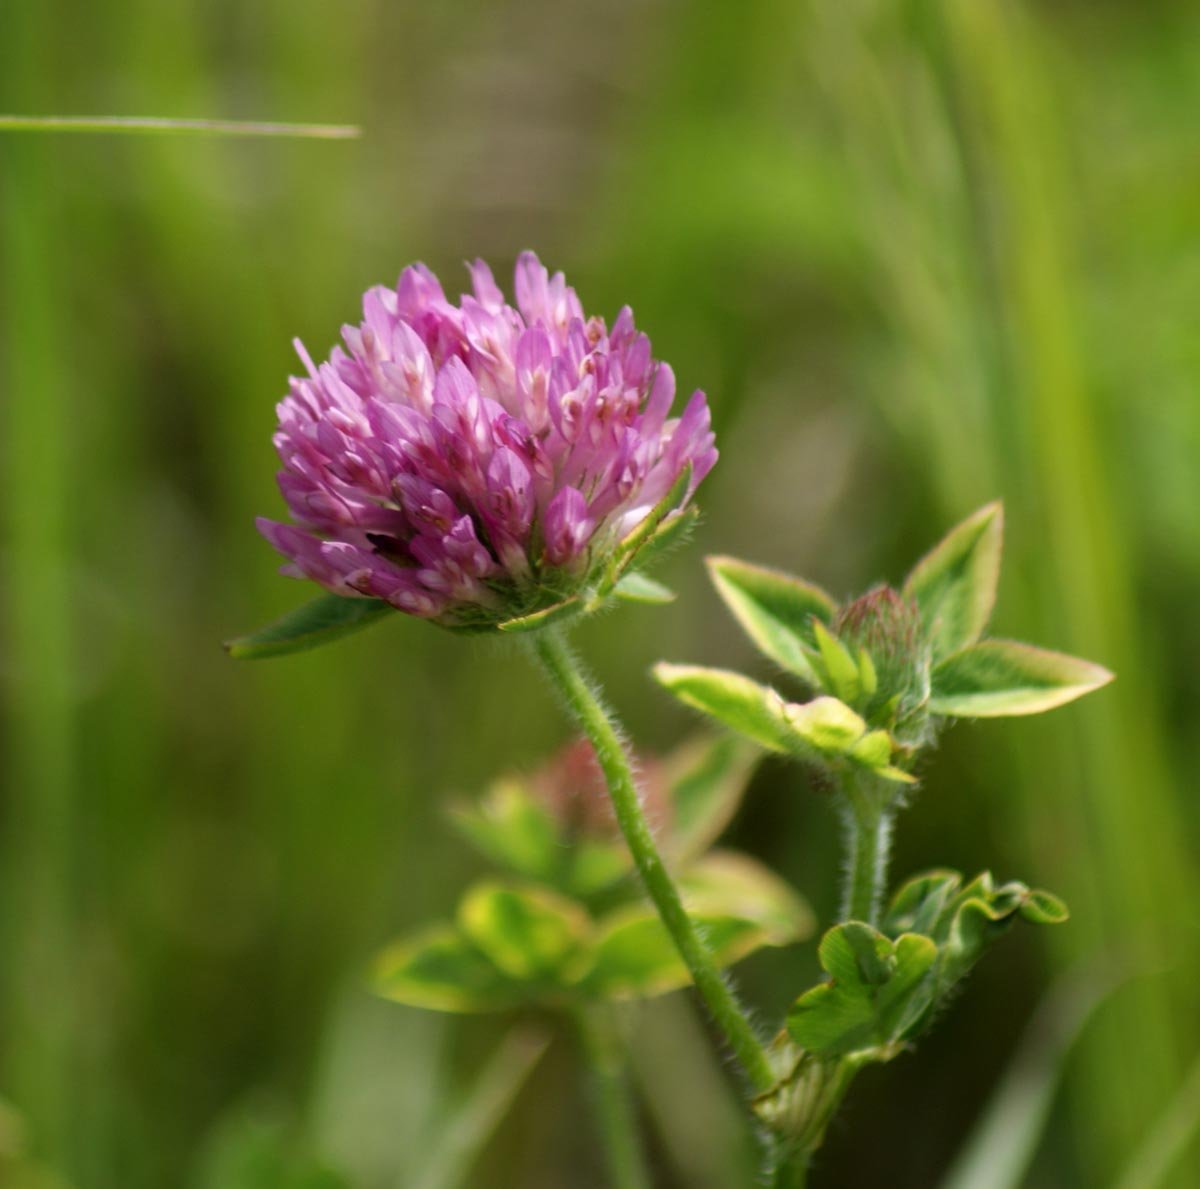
{"type": "Point", "coordinates": [920, 254]}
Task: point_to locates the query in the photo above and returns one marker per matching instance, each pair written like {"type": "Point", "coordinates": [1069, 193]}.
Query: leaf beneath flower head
{"type": "Point", "coordinates": [1001, 677]}
{"type": "Point", "coordinates": [774, 609]}
{"type": "Point", "coordinates": [536, 620]}
{"type": "Point", "coordinates": [324, 619]}
{"type": "Point", "coordinates": [954, 584]}
{"type": "Point", "coordinates": [637, 588]}
{"type": "Point", "coordinates": [628, 549]}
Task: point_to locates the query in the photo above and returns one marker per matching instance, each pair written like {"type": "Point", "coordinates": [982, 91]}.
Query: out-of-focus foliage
{"type": "Point", "coordinates": [921, 254]}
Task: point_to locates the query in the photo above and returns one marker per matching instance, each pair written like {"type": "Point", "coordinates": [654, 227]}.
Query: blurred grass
{"type": "Point", "coordinates": [920, 252]}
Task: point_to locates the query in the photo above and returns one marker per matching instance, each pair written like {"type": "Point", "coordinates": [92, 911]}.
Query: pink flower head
{"type": "Point", "coordinates": [474, 461]}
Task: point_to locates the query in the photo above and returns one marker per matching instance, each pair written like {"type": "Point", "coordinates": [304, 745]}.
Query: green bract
{"type": "Point", "coordinates": [568, 925]}
{"type": "Point", "coordinates": [897, 661]}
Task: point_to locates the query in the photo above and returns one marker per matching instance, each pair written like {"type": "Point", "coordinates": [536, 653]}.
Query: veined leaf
{"type": "Point", "coordinates": [774, 609]}
{"type": "Point", "coordinates": [1001, 677]}
{"type": "Point", "coordinates": [324, 619]}
{"type": "Point", "coordinates": [954, 584]}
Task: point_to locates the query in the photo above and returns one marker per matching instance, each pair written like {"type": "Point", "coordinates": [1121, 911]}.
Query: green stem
{"type": "Point", "coordinates": [586, 708]}
{"type": "Point", "coordinates": [868, 839]}
{"type": "Point", "coordinates": [455, 1148]}
{"type": "Point", "coordinates": [614, 1105]}
{"type": "Point", "coordinates": [790, 1171]}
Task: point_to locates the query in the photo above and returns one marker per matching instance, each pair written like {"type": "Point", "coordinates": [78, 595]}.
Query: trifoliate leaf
{"type": "Point", "coordinates": [877, 988]}
{"type": "Point", "coordinates": [320, 621]}
{"type": "Point", "coordinates": [1001, 677]}
{"type": "Point", "coordinates": [775, 610]}
{"type": "Point", "coordinates": [954, 585]}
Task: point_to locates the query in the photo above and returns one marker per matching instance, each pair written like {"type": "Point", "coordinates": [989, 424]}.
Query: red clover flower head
{"type": "Point", "coordinates": [470, 462]}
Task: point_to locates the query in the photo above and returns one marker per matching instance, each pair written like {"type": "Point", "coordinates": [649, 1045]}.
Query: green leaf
{"type": "Point", "coordinates": [877, 988]}
{"type": "Point", "coordinates": [441, 969]}
{"type": "Point", "coordinates": [595, 864]}
{"type": "Point", "coordinates": [964, 921]}
{"type": "Point", "coordinates": [513, 828]}
{"type": "Point", "coordinates": [826, 725]}
{"type": "Point", "coordinates": [635, 587]}
{"type": "Point", "coordinates": [536, 620]}
{"type": "Point", "coordinates": [318, 622]}
{"type": "Point", "coordinates": [841, 672]}
{"type": "Point", "coordinates": [745, 706]}
{"type": "Point", "coordinates": [530, 933]}
{"type": "Point", "coordinates": [647, 528]}
{"type": "Point", "coordinates": [671, 531]}
{"type": "Point", "coordinates": [707, 780]}
{"type": "Point", "coordinates": [774, 609]}
{"type": "Point", "coordinates": [740, 906]}
{"type": "Point", "coordinates": [1001, 677]}
{"type": "Point", "coordinates": [954, 585]}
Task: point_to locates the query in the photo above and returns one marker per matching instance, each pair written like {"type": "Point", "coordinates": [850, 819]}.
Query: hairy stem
{"type": "Point", "coordinates": [585, 707]}
{"type": "Point", "coordinates": [868, 820]}
{"type": "Point", "coordinates": [790, 1170]}
{"type": "Point", "coordinates": [615, 1114]}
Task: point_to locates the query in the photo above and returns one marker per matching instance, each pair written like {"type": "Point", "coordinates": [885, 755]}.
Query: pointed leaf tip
{"type": "Point", "coordinates": [954, 584]}
{"type": "Point", "coordinates": [774, 609]}
{"type": "Point", "coordinates": [998, 678]}
{"type": "Point", "coordinates": [753, 710]}
{"type": "Point", "coordinates": [320, 621]}
{"type": "Point", "coordinates": [635, 587]}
